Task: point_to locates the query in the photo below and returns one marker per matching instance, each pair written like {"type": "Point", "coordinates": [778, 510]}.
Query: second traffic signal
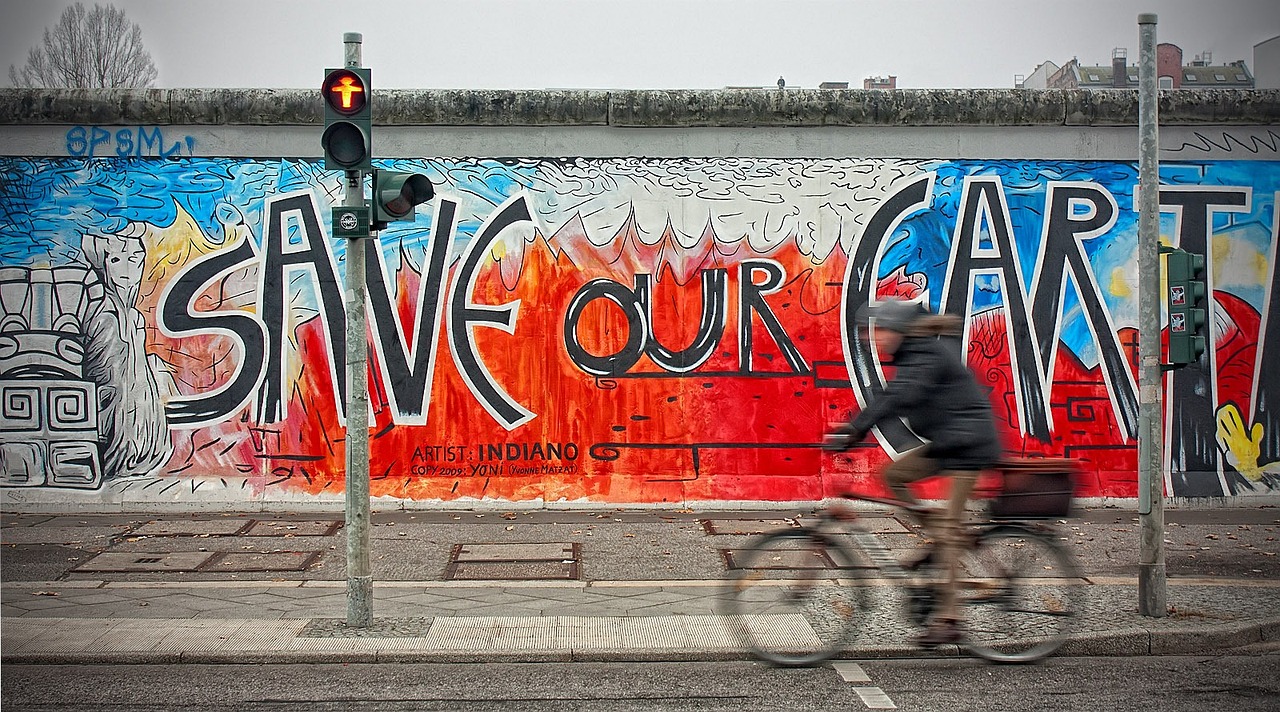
{"type": "Point", "coordinates": [395, 195]}
{"type": "Point", "coordinates": [1187, 315]}
{"type": "Point", "coordinates": [348, 124]}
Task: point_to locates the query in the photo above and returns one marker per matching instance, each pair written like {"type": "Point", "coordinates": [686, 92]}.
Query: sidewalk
{"type": "Point", "coordinates": [631, 586]}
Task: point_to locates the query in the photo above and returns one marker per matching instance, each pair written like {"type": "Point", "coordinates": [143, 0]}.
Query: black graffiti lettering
{"type": "Point", "coordinates": [1193, 453]}
{"type": "Point", "coordinates": [409, 386]}
{"type": "Point", "coordinates": [984, 195]}
{"type": "Point", "coordinates": [177, 317]}
{"type": "Point", "coordinates": [751, 299]}
{"type": "Point", "coordinates": [315, 259]}
{"type": "Point", "coordinates": [1062, 252]}
{"type": "Point", "coordinates": [614, 364]}
{"type": "Point", "coordinates": [860, 282]}
{"type": "Point", "coordinates": [463, 314]}
{"type": "Point", "coordinates": [715, 298]}
{"type": "Point", "coordinates": [1266, 381]}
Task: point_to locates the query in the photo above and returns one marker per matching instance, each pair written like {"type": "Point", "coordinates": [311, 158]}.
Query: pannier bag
{"type": "Point", "coordinates": [1035, 488]}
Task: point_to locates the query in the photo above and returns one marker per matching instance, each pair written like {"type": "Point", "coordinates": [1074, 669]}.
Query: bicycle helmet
{"type": "Point", "coordinates": [895, 314]}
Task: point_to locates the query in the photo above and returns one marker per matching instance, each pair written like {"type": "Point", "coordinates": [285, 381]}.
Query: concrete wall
{"type": "Point", "coordinates": [626, 297]}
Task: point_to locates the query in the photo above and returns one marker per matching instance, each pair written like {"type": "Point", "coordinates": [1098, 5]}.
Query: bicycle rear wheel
{"type": "Point", "coordinates": [1021, 595]}
{"type": "Point", "coordinates": [785, 599]}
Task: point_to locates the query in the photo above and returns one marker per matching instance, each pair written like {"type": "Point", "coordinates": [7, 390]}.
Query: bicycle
{"type": "Point", "coordinates": [797, 595]}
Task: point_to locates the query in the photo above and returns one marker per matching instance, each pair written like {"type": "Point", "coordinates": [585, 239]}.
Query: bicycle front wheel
{"type": "Point", "coordinates": [1022, 595]}
{"type": "Point", "coordinates": [787, 597]}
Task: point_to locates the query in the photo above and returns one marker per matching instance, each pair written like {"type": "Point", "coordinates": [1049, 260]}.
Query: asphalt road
{"type": "Point", "coordinates": [1242, 680]}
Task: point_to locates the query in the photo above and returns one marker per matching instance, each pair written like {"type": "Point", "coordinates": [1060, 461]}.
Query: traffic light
{"type": "Point", "coordinates": [396, 194]}
{"type": "Point", "coordinates": [1185, 273]}
{"type": "Point", "coordinates": [348, 130]}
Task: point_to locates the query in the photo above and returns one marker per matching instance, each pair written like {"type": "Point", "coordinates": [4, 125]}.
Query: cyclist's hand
{"type": "Point", "coordinates": [842, 438]}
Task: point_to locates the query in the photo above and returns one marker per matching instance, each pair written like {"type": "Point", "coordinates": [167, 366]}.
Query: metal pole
{"type": "Point", "coordinates": [359, 574]}
{"type": "Point", "coordinates": [1151, 565]}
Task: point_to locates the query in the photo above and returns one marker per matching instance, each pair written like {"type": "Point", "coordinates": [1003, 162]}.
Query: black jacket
{"type": "Point", "coordinates": [938, 396]}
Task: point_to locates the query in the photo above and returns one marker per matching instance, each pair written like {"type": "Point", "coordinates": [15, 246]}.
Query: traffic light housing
{"type": "Point", "coordinates": [396, 194]}
{"type": "Point", "coordinates": [348, 124]}
{"type": "Point", "coordinates": [1187, 306]}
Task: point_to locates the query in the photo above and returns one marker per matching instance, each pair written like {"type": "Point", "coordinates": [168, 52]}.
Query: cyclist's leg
{"type": "Point", "coordinates": [950, 536]}
{"type": "Point", "coordinates": [912, 467]}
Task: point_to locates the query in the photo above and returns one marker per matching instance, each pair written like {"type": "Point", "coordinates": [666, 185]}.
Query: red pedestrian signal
{"type": "Point", "coordinates": [345, 91]}
{"type": "Point", "coordinates": [348, 124]}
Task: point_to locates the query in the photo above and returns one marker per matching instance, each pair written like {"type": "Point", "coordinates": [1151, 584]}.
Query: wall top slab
{"type": "Point", "coordinates": [727, 108]}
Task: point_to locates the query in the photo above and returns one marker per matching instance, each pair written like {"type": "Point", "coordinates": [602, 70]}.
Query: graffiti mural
{"type": "Point", "coordinates": [619, 330]}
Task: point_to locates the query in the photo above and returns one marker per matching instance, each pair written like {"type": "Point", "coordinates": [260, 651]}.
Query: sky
{"type": "Point", "coordinates": [648, 44]}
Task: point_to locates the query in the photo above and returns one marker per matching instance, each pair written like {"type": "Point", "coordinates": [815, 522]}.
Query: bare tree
{"type": "Point", "coordinates": [88, 49]}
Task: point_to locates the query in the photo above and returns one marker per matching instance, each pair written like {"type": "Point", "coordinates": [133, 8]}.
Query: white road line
{"type": "Point", "coordinates": [850, 671]}
{"type": "Point", "coordinates": [874, 698]}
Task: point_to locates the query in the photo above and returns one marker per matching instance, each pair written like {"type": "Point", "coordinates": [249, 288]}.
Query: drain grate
{"type": "Point", "coordinates": [513, 562]}
{"type": "Point", "coordinates": [143, 562]}
{"type": "Point", "coordinates": [745, 526]}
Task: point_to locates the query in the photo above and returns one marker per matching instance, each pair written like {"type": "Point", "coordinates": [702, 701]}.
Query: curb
{"type": "Point", "coordinates": [1126, 643]}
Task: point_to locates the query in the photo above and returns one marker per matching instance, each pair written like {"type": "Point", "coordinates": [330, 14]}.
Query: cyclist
{"type": "Point", "coordinates": [934, 391]}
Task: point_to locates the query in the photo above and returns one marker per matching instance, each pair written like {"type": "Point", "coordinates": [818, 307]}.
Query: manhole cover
{"type": "Point", "coordinates": [188, 527]}
{"type": "Point", "coordinates": [517, 562]}
{"type": "Point", "coordinates": [143, 562]}
{"type": "Point", "coordinates": [777, 560]}
{"type": "Point", "coordinates": [744, 526]}
{"type": "Point", "coordinates": [239, 561]}
{"type": "Point", "coordinates": [283, 528]}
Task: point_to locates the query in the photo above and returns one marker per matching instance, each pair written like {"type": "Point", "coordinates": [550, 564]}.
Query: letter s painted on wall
{"type": "Point", "coordinates": [177, 316]}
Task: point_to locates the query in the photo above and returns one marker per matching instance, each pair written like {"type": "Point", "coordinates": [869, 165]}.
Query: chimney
{"type": "Point", "coordinates": [1120, 68]}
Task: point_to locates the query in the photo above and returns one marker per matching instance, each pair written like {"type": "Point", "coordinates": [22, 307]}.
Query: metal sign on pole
{"type": "Point", "coordinates": [1151, 563]}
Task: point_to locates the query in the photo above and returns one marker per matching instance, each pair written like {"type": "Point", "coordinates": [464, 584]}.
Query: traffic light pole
{"type": "Point", "coordinates": [359, 573]}
{"type": "Point", "coordinates": [1151, 564]}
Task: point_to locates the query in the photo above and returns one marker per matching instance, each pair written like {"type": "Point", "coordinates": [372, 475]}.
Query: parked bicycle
{"type": "Point", "coordinates": [798, 595]}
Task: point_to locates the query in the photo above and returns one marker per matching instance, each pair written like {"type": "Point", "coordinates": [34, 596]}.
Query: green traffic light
{"type": "Point", "coordinates": [1186, 294]}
